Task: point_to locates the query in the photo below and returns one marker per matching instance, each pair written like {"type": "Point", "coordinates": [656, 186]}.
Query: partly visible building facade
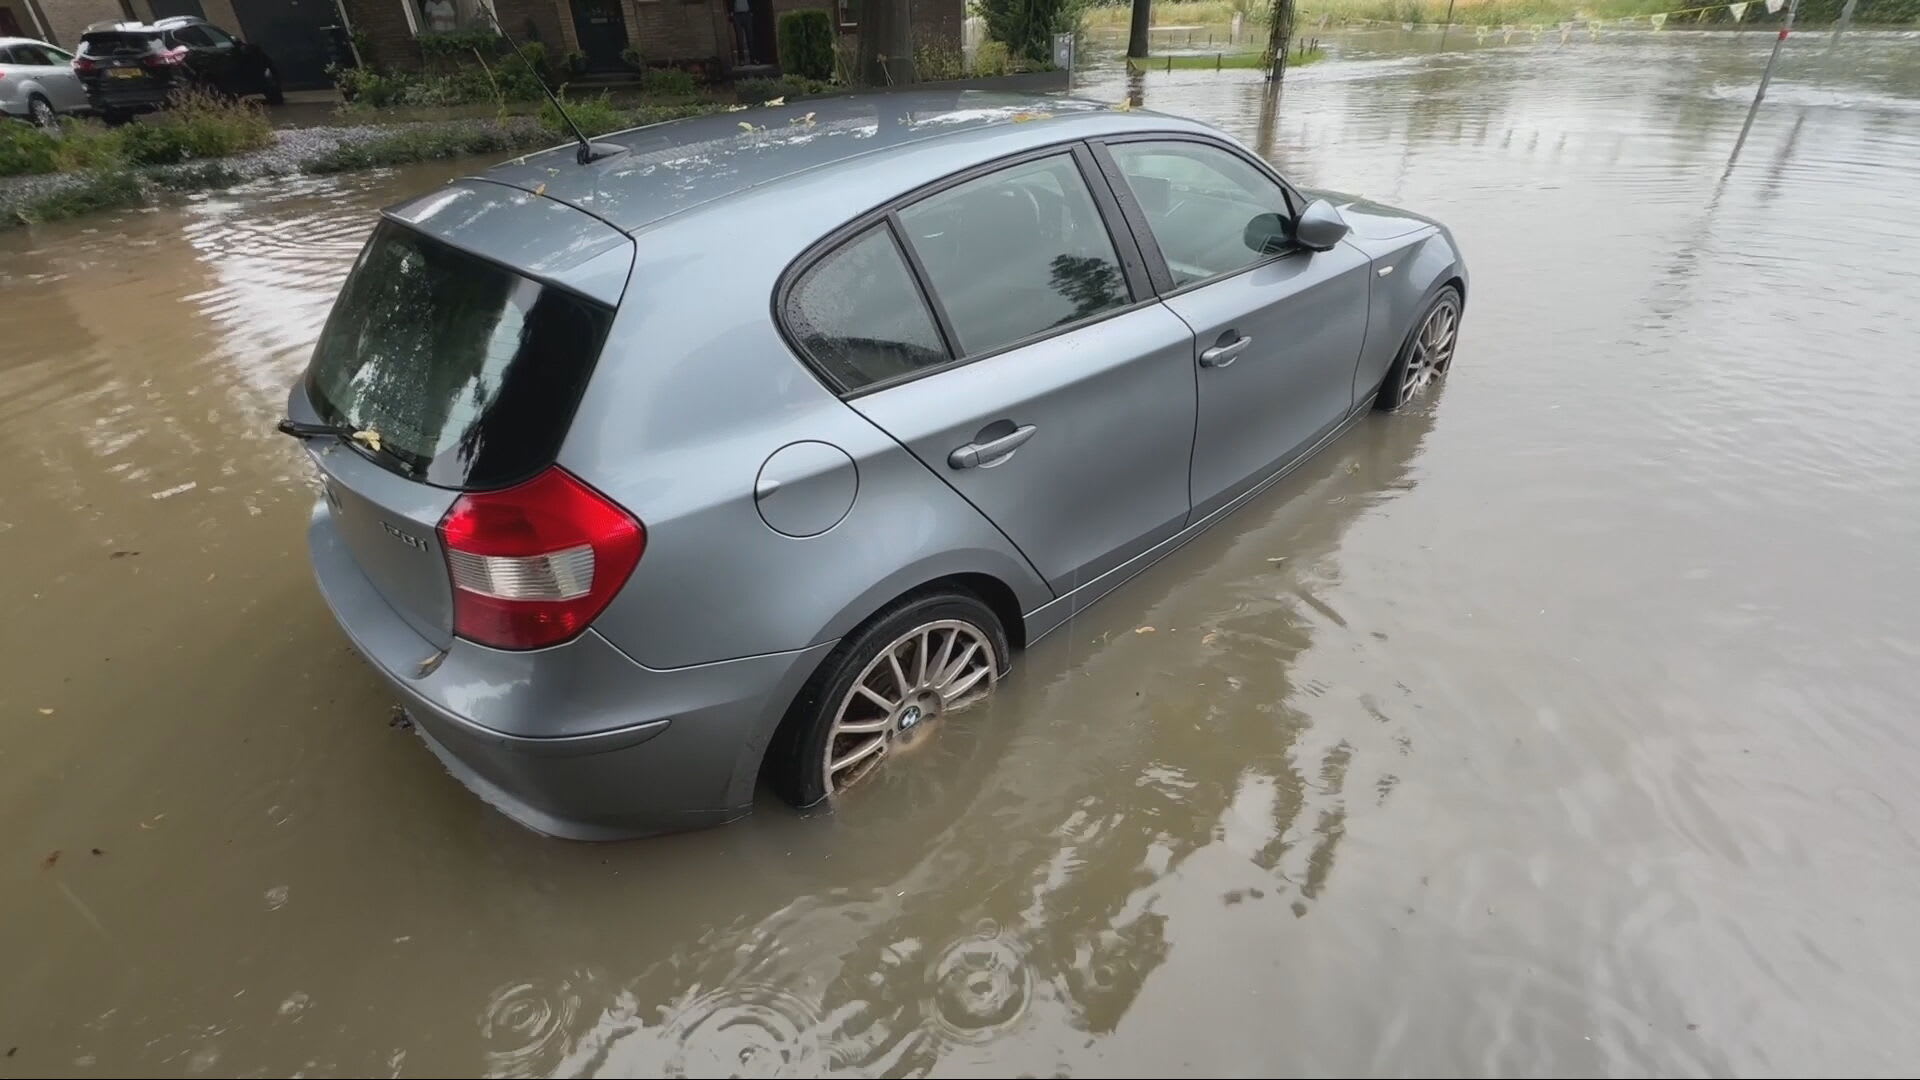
{"type": "Point", "coordinates": [302, 36]}
{"type": "Point", "coordinates": [723, 34]}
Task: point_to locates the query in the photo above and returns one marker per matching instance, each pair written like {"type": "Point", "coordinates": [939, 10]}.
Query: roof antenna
{"type": "Point", "coordinates": [589, 151]}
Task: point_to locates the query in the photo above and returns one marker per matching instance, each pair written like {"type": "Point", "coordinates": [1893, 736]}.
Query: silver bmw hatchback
{"type": "Point", "coordinates": [754, 445]}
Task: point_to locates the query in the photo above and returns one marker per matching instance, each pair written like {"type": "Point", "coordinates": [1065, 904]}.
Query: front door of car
{"type": "Point", "coordinates": [1051, 398]}
{"type": "Point", "coordinates": [1277, 332]}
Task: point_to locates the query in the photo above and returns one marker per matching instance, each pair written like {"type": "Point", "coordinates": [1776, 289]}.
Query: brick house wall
{"type": "Point", "coordinates": [389, 36]}
{"type": "Point", "coordinates": [663, 31]}
{"type": "Point", "coordinates": [66, 20]}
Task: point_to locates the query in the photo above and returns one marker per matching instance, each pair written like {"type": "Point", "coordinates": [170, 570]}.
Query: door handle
{"type": "Point", "coordinates": [1223, 355]}
{"type": "Point", "coordinates": [992, 452]}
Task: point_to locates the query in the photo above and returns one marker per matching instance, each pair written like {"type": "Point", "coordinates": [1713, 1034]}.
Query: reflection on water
{"type": "Point", "coordinates": [1557, 727]}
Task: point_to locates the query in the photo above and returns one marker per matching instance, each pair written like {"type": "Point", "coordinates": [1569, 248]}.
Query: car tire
{"type": "Point", "coordinates": [953, 621]}
{"type": "Point", "coordinates": [41, 112]}
{"type": "Point", "coordinates": [270, 86]}
{"type": "Point", "coordinates": [1427, 355]}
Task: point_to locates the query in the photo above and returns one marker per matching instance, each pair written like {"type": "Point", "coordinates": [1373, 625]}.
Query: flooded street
{"type": "Point", "coordinates": [1564, 725]}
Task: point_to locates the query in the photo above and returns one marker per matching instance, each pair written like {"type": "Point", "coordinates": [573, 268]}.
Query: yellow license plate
{"type": "Point", "coordinates": [127, 73]}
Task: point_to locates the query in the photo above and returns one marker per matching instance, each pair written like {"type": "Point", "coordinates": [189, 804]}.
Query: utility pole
{"type": "Point", "coordinates": [1279, 39]}
{"type": "Point", "coordinates": [1766, 77]}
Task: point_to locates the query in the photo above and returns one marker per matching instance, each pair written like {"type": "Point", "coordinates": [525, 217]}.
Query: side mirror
{"type": "Point", "coordinates": [1267, 234]}
{"type": "Point", "coordinates": [1320, 226]}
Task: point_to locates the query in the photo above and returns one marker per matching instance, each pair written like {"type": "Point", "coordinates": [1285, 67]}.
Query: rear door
{"type": "Point", "coordinates": [211, 66]}
{"type": "Point", "coordinates": [1061, 399]}
{"type": "Point", "coordinates": [1276, 334]}
{"type": "Point", "coordinates": [56, 74]}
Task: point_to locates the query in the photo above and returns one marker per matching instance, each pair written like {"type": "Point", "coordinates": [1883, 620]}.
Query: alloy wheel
{"type": "Point", "coordinates": [43, 114]}
{"type": "Point", "coordinates": [1432, 352]}
{"type": "Point", "coordinates": [927, 673]}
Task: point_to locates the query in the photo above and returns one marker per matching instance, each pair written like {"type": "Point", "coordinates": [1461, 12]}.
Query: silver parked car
{"type": "Point", "coordinates": [755, 444]}
{"type": "Point", "coordinates": [37, 82]}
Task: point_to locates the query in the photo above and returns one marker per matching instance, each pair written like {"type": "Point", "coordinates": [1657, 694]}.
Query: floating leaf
{"type": "Point", "coordinates": [1023, 117]}
{"type": "Point", "coordinates": [736, 108]}
{"type": "Point", "coordinates": [52, 857]}
{"type": "Point", "coordinates": [1126, 105]}
{"type": "Point", "coordinates": [1143, 629]}
{"type": "Point", "coordinates": [46, 712]}
{"type": "Point", "coordinates": [542, 189]}
{"type": "Point", "coordinates": [744, 126]}
{"type": "Point", "coordinates": [1212, 636]}
{"type": "Point", "coordinates": [775, 101]}
{"type": "Point", "coordinates": [807, 119]}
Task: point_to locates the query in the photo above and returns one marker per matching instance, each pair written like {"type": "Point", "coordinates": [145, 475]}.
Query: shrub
{"type": "Point", "coordinates": [933, 61]}
{"type": "Point", "coordinates": [425, 143]}
{"type": "Point", "coordinates": [459, 45]}
{"type": "Point", "coordinates": [153, 144]}
{"type": "Point", "coordinates": [806, 43]}
{"type": "Point", "coordinates": [197, 177]}
{"type": "Point", "coordinates": [631, 57]}
{"type": "Point", "coordinates": [755, 91]}
{"type": "Point", "coordinates": [25, 149]}
{"type": "Point", "coordinates": [1027, 27]}
{"type": "Point", "coordinates": [595, 115]}
{"type": "Point", "coordinates": [368, 88]}
{"type": "Point", "coordinates": [108, 190]}
{"type": "Point", "coordinates": [991, 58]}
{"type": "Point", "coordinates": [88, 144]}
{"type": "Point", "coordinates": [669, 82]}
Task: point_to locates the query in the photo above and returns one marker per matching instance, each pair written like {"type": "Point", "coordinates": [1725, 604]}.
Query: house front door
{"type": "Point", "coordinates": [602, 29]}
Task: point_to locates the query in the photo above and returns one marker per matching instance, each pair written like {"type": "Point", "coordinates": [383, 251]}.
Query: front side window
{"type": "Point", "coordinates": [1198, 200]}
{"type": "Point", "coordinates": [220, 38]}
{"type": "Point", "coordinates": [1016, 253]}
{"type": "Point", "coordinates": [192, 37]}
{"type": "Point", "coordinates": [469, 372]}
{"type": "Point", "coordinates": [859, 316]}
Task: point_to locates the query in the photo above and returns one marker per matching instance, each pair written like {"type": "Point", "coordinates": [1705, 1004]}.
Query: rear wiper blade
{"type": "Point", "coordinates": [300, 429]}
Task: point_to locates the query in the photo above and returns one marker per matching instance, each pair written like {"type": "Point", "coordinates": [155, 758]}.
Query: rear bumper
{"type": "Point", "coordinates": [145, 96]}
{"type": "Point", "coordinates": [576, 741]}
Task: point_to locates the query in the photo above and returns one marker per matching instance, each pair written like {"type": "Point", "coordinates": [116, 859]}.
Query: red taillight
{"type": "Point", "coordinates": [534, 564]}
{"type": "Point", "coordinates": [82, 65]}
{"type": "Point", "coordinates": [168, 58]}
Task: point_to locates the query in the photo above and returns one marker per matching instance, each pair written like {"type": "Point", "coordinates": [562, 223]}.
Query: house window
{"type": "Point", "coordinates": [448, 16]}
{"type": "Point", "coordinates": [849, 12]}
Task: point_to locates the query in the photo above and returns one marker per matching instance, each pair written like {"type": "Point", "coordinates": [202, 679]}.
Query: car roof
{"type": "Point", "coordinates": [157, 26]}
{"type": "Point", "coordinates": [667, 169]}
{"type": "Point", "coordinates": [6, 41]}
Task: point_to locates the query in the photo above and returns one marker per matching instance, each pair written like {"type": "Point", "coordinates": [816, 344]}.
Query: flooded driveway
{"type": "Point", "coordinates": [1565, 725]}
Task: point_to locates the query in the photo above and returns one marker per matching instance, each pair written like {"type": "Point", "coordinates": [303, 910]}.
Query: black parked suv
{"type": "Point", "coordinates": [130, 67]}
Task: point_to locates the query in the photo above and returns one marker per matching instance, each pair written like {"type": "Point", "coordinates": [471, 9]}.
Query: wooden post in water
{"type": "Point", "coordinates": [1446, 25]}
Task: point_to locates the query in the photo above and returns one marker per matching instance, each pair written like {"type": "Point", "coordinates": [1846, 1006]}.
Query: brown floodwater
{"type": "Point", "coordinates": [1566, 725]}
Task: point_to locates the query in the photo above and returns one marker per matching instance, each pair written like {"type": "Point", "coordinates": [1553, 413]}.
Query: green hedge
{"type": "Point", "coordinates": [806, 44]}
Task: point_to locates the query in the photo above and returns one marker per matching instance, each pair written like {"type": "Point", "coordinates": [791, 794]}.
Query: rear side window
{"type": "Point", "coordinates": [220, 38]}
{"type": "Point", "coordinates": [194, 36]}
{"type": "Point", "coordinates": [111, 43]}
{"type": "Point", "coordinates": [469, 372]}
{"type": "Point", "coordinates": [1016, 253]}
{"type": "Point", "coordinates": [859, 316]}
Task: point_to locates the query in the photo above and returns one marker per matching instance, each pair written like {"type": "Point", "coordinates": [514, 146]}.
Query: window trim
{"type": "Point", "coordinates": [1136, 217]}
{"type": "Point", "coordinates": [1134, 266]}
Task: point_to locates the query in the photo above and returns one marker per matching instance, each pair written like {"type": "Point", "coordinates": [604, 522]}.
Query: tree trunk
{"type": "Point", "coordinates": [1279, 39]}
{"type": "Point", "coordinates": [1137, 36]}
{"type": "Point", "coordinates": [886, 43]}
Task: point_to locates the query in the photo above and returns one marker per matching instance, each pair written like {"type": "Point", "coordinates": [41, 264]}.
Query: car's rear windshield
{"type": "Point", "coordinates": [468, 372]}
{"type": "Point", "coordinates": [117, 43]}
